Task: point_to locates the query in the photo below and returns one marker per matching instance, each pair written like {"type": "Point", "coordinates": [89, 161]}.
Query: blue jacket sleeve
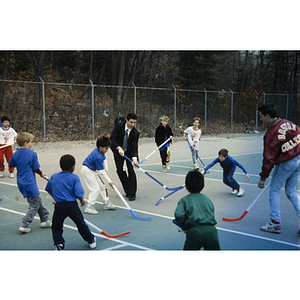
{"type": "Point", "coordinates": [211, 164]}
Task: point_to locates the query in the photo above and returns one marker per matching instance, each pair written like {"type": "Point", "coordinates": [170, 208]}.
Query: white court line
{"type": "Point", "coordinates": [171, 218]}
{"type": "Point", "coordinates": [124, 244]}
{"type": "Point", "coordinates": [259, 237]}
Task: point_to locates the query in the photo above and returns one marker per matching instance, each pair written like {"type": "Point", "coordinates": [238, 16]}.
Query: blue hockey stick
{"type": "Point", "coordinates": [165, 187]}
{"type": "Point", "coordinates": [196, 154]}
{"type": "Point", "coordinates": [181, 226]}
{"type": "Point", "coordinates": [168, 195]}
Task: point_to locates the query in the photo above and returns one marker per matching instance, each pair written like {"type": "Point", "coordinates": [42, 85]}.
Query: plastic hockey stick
{"type": "Point", "coordinates": [165, 187]}
{"type": "Point", "coordinates": [127, 205]}
{"type": "Point", "coordinates": [167, 196]}
{"type": "Point", "coordinates": [6, 145]}
{"type": "Point", "coordinates": [247, 210]}
{"type": "Point", "coordinates": [105, 233]}
{"type": "Point", "coordinates": [197, 155]}
{"type": "Point", "coordinates": [154, 151]}
{"type": "Point", "coordinates": [181, 226]}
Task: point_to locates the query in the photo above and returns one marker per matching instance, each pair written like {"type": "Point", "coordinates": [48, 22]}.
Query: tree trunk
{"type": "Point", "coordinates": [119, 99]}
{"type": "Point", "coordinates": [38, 73]}
{"type": "Point", "coordinates": [4, 76]}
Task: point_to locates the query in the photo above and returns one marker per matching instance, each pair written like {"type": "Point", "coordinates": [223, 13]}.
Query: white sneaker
{"type": "Point", "coordinates": [168, 166]}
{"type": "Point", "coordinates": [46, 224]}
{"type": "Point", "coordinates": [108, 205]}
{"type": "Point", "coordinates": [164, 168]}
{"type": "Point", "coordinates": [234, 192]}
{"type": "Point", "coordinates": [11, 175]}
{"type": "Point", "coordinates": [196, 167]}
{"type": "Point", "coordinates": [90, 210]}
{"type": "Point", "coordinates": [241, 192]}
{"type": "Point", "coordinates": [93, 244]}
{"type": "Point", "coordinates": [24, 229]}
{"type": "Point", "coordinates": [1, 174]}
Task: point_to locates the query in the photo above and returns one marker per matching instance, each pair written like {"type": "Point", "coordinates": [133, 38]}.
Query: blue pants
{"type": "Point", "coordinates": [287, 172]}
{"type": "Point", "coordinates": [229, 180]}
{"type": "Point", "coordinates": [64, 210]}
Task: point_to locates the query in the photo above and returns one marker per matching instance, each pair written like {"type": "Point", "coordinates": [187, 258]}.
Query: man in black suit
{"type": "Point", "coordinates": [124, 140]}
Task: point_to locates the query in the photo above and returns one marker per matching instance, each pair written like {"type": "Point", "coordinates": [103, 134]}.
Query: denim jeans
{"type": "Point", "coordinates": [229, 180]}
{"type": "Point", "coordinates": [287, 172]}
{"type": "Point", "coordinates": [194, 155]}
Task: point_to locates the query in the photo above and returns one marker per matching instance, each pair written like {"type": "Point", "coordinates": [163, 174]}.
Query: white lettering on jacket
{"type": "Point", "coordinates": [290, 144]}
{"type": "Point", "coordinates": [284, 127]}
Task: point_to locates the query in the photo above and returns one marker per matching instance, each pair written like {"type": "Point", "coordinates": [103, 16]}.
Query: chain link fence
{"type": "Point", "coordinates": [61, 111]}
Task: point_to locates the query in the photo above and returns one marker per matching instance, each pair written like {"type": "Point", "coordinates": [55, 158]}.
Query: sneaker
{"type": "Point", "coordinates": [234, 192]}
{"type": "Point", "coordinates": [60, 247]}
{"type": "Point", "coordinates": [46, 224]}
{"type": "Point", "coordinates": [196, 167]}
{"type": "Point", "coordinates": [24, 229]}
{"type": "Point", "coordinates": [1, 174]}
{"type": "Point", "coordinates": [271, 227]}
{"type": "Point", "coordinates": [11, 175]}
{"type": "Point", "coordinates": [240, 192]}
{"type": "Point", "coordinates": [168, 166]}
{"type": "Point", "coordinates": [164, 168]}
{"type": "Point", "coordinates": [108, 205]}
{"type": "Point", "coordinates": [93, 244]}
{"type": "Point", "coordinates": [90, 210]}
{"type": "Point", "coordinates": [298, 232]}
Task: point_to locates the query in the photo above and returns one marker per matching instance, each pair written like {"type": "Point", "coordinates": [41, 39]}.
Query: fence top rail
{"type": "Point", "coordinates": [136, 87]}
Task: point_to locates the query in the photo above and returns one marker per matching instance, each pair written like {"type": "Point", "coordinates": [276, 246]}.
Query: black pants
{"type": "Point", "coordinates": [165, 156]}
{"type": "Point", "coordinates": [69, 209]}
{"type": "Point", "coordinates": [128, 181]}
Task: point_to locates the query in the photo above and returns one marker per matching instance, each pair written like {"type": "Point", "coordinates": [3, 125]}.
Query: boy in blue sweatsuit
{"type": "Point", "coordinates": [65, 187]}
{"type": "Point", "coordinates": [229, 165]}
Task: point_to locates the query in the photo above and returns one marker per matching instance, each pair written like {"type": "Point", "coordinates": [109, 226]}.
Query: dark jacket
{"type": "Point", "coordinates": [117, 137]}
{"type": "Point", "coordinates": [162, 133]}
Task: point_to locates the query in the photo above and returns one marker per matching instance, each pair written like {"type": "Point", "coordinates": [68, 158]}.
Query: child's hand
{"type": "Point", "coordinates": [82, 201]}
{"type": "Point", "coordinates": [184, 231]}
{"type": "Point", "coordinates": [171, 137]}
{"type": "Point", "coordinates": [202, 172]}
{"type": "Point", "coordinates": [112, 185]}
{"type": "Point", "coordinates": [247, 176]}
{"type": "Point", "coordinates": [43, 175]}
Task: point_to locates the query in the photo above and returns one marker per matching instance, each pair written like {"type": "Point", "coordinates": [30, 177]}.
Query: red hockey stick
{"type": "Point", "coordinates": [105, 233]}
{"type": "Point", "coordinates": [247, 210]}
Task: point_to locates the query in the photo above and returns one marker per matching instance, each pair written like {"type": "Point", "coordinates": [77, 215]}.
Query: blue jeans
{"type": "Point", "coordinates": [229, 180]}
{"type": "Point", "coordinates": [287, 172]}
{"type": "Point", "coordinates": [194, 155]}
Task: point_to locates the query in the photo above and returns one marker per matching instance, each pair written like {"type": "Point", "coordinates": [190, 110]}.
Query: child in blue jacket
{"type": "Point", "coordinates": [229, 165]}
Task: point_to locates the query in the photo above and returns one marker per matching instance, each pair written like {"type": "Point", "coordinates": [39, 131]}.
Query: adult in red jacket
{"type": "Point", "coordinates": [282, 150]}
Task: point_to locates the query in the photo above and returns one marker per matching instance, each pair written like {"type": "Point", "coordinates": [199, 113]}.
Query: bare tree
{"type": "Point", "coordinates": [4, 77]}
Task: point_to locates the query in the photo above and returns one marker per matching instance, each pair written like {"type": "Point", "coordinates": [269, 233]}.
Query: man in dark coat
{"type": "Point", "coordinates": [124, 140]}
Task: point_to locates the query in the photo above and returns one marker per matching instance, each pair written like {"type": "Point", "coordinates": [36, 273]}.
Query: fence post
{"type": "Point", "coordinates": [287, 105]}
{"type": "Point", "coordinates": [231, 117]}
{"type": "Point", "coordinates": [44, 116]}
{"type": "Point", "coordinates": [174, 109]}
{"type": "Point", "coordinates": [93, 109]}
{"type": "Point", "coordinates": [205, 109]}
{"type": "Point", "coordinates": [134, 97]}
